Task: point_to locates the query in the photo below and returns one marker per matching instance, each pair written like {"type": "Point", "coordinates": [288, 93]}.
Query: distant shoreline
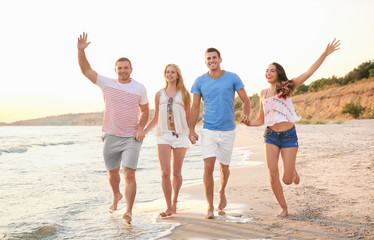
{"type": "Point", "coordinates": [77, 119]}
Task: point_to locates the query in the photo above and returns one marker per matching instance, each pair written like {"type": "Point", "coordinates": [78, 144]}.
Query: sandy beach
{"type": "Point", "coordinates": [334, 200]}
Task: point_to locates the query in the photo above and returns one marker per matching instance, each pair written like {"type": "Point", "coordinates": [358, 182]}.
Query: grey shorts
{"type": "Point", "coordinates": [120, 149]}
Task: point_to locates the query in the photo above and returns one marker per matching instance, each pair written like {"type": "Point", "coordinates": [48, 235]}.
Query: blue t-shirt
{"type": "Point", "coordinates": [218, 96]}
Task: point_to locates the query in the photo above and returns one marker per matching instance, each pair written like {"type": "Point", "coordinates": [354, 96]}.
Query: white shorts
{"type": "Point", "coordinates": [168, 138]}
{"type": "Point", "coordinates": [219, 144]}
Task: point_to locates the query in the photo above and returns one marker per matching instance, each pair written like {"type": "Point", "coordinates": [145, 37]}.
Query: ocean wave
{"type": "Point", "coordinates": [238, 218]}
{"type": "Point", "coordinates": [24, 148]}
{"type": "Point", "coordinates": [54, 144]}
{"type": "Point", "coordinates": [169, 227]}
{"type": "Point", "coordinates": [19, 149]}
{"type": "Point", "coordinates": [142, 169]}
{"type": "Point", "coordinates": [40, 232]}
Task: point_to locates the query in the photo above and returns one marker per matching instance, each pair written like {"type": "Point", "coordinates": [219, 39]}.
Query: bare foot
{"type": "Point", "coordinates": [174, 209]}
{"type": "Point", "coordinates": [127, 217]}
{"type": "Point", "coordinates": [283, 213]}
{"type": "Point", "coordinates": [221, 213]}
{"type": "Point", "coordinates": [297, 178]}
{"type": "Point", "coordinates": [222, 201]}
{"type": "Point", "coordinates": [209, 214]}
{"type": "Point", "coordinates": [167, 213]}
{"type": "Point", "coordinates": [116, 199]}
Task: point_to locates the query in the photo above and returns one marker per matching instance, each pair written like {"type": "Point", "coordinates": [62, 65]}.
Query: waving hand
{"type": "Point", "coordinates": [82, 60]}
{"type": "Point", "coordinates": [82, 41]}
{"type": "Point", "coordinates": [331, 47]}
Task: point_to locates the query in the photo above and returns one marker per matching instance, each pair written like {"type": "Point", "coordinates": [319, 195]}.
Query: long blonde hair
{"type": "Point", "coordinates": [180, 84]}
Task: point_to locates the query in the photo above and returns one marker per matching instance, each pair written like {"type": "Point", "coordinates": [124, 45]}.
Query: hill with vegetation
{"type": "Point", "coordinates": [328, 104]}
{"type": "Point", "coordinates": [363, 71]}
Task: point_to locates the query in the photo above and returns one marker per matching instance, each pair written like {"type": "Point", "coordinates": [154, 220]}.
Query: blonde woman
{"type": "Point", "coordinates": [172, 112]}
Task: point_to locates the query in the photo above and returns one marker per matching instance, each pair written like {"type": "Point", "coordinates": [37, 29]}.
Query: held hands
{"type": "Point", "coordinates": [243, 118]}
{"type": "Point", "coordinates": [193, 137]}
{"type": "Point", "coordinates": [332, 47]}
{"type": "Point", "coordinates": [139, 135]}
{"type": "Point", "coordinates": [247, 122]}
{"type": "Point", "coordinates": [82, 41]}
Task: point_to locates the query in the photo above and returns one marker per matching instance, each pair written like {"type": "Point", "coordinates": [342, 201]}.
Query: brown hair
{"type": "Point", "coordinates": [123, 59]}
{"type": "Point", "coordinates": [180, 85]}
{"type": "Point", "coordinates": [284, 87]}
{"type": "Point", "coordinates": [213, 50]}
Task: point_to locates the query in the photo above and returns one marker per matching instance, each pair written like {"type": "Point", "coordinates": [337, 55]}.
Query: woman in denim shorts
{"type": "Point", "coordinates": [278, 115]}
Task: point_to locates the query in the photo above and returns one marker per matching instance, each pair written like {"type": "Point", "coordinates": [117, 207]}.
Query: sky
{"type": "Point", "coordinates": [40, 76]}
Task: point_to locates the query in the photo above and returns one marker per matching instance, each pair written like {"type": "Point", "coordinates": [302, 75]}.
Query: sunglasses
{"type": "Point", "coordinates": [170, 105]}
{"type": "Point", "coordinates": [170, 112]}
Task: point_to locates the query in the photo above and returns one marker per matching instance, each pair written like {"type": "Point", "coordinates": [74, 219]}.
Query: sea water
{"type": "Point", "coordinates": [53, 185]}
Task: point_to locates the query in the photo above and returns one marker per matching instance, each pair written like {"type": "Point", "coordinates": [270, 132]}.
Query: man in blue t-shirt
{"type": "Point", "coordinates": [217, 88]}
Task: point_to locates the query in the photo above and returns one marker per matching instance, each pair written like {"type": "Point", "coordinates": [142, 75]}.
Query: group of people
{"type": "Point", "coordinates": [126, 116]}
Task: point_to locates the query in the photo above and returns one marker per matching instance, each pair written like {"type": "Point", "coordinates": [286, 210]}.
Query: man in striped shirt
{"type": "Point", "coordinates": [124, 130]}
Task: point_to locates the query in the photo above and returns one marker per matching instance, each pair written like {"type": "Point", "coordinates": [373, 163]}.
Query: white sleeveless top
{"type": "Point", "coordinates": [278, 110]}
{"type": "Point", "coordinates": [180, 121]}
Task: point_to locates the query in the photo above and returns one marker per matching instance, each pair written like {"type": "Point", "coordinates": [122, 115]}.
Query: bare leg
{"type": "Point", "coordinates": [130, 192]}
{"type": "Point", "coordinates": [272, 158]}
{"type": "Point", "coordinates": [290, 174]}
{"type": "Point", "coordinates": [178, 157]}
{"type": "Point", "coordinates": [224, 177]}
{"type": "Point", "coordinates": [296, 178]}
{"type": "Point", "coordinates": [209, 185]}
{"type": "Point", "coordinates": [164, 153]}
{"type": "Point", "coordinates": [114, 180]}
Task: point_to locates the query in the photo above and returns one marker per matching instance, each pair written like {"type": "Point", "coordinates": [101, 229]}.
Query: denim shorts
{"type": "Point", "coordinates": [286, 139]}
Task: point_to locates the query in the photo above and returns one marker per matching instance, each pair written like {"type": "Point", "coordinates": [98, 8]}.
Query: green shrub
{"type": "Point", "coordinates": [352, 109]}
{"type": "Point", "coordinates": [319, 122]}
{"type": "Point", "coordinates": [303, 122]}
{"type": "Point", "coordinates": [237, 115]}
{"type": "Point", "coordinates": [237, 104]}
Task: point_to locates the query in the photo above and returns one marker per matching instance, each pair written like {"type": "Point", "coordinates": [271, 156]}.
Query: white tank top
{"type": "Point", "coordinates": [278, 110]}
{"type": "Point", "coordinates": [180, 121]}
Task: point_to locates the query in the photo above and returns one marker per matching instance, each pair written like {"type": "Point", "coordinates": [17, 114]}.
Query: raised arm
{"type": "Point", "coordinates": [82, 60]}
{"type": "Point", "coordinates": [195, 112]}
{"type": "Point", "coordinates": [331, 47]}
{"type": "Point", "coordinates": [154, 121]}
{"type": "Point", "coordinates": [244, 116]}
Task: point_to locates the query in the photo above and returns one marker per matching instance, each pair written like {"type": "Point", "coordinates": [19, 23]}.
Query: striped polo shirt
{"type": "Point", "coordinates": [121, 114]}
